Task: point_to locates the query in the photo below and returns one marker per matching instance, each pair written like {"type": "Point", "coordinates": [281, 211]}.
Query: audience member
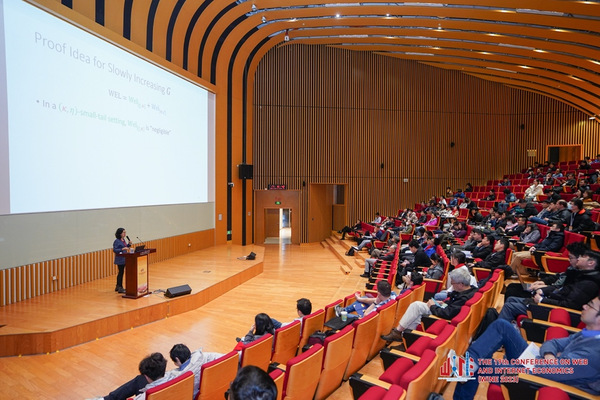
{"type": "Point", "coordinates": [252, 383]}
{"type": "Point", "coordinates": [303, 308]}
{"type": "Point", "coordinates": [583, 345]}
{"type": "Point", "coordinates": [365, 305]}
{"type": "Point", "coordinates": [584, 287]}
{"type": "Point", "coordinates": [553, 242]}
{"type": "Point", "coordinates": [151, 368]}
{"type": "Point", "coordinates": [463, 291]}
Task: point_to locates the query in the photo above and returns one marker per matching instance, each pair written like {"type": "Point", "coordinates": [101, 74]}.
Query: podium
{"type": "Point", "coordinates": [136, 273]}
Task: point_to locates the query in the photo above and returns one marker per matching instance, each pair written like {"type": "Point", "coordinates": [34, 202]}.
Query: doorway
{"type": "Point", "coordinates": [278, 226]}
{"type": "Point", "coordinates": [560, 153]}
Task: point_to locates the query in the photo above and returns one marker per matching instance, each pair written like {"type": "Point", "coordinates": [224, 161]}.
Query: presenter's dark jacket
{"type": "Point", "coordinates": [118, 246]}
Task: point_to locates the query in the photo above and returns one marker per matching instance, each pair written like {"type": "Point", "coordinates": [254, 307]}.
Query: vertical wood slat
{"type": "Point", "coordinates": [327, 115]}
{"type": "Point", "coordinates": [24, 282]}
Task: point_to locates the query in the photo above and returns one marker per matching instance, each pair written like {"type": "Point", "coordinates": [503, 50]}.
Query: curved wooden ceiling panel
{"type": "Point", "coordinates": [550, 47]}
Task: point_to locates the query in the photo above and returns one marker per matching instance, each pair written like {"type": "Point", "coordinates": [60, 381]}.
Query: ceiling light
{"type": "Point", "coordinates": [595, 62]}
{"type": "Point", "coordinates": [264, 19]}
{"type": "Point", "coordinates": [525, 66]}
{"type": "Point", "coordinates": [539, 51]}
{"type": "Point", "coordinates": [539, 12]}
{"type": "Point", "coordinates": [253, 7]}
{"type": "Point", "coordinates": [502, 70]}
{"type": "Point", "coordinates": [337, 15]}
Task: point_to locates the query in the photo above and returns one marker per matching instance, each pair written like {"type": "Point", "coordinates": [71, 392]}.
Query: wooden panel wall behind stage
{"type": "Point", "coordinates": [21, 283]}
{"type": "Point", "coordinates": [324, 114]}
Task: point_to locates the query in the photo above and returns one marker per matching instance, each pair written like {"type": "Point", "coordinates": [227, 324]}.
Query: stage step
{"type": "Point", "coordinates": [340, 252]}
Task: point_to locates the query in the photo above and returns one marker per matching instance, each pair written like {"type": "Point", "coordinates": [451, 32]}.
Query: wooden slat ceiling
{"type": "Point", "coordinates": [549, 47]}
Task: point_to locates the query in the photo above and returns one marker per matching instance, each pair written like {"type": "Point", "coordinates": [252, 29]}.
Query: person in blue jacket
{"type": "Point", "coordinates": [583, 346]}
{"type": "Point", "coordinates": [120, 246]}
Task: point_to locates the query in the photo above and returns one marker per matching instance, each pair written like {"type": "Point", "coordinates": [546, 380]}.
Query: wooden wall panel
{"type": "Point", "coordinates": [325, 115]}
{"type": "Point", "coordinates": [21, 283]}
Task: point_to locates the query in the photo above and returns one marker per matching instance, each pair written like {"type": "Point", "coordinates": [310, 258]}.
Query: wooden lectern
{"type": "Point", "coordinates": [136, 273]}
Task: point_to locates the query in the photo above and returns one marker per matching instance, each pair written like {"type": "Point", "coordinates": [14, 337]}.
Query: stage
{"type": "Point", "coordinates": [78, 314]}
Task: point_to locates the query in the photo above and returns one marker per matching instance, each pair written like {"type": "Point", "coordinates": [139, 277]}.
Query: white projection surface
{"type": "Point", "coordinates": [91, 126]}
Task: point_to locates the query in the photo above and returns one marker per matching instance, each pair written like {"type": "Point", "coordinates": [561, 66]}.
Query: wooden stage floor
{"type": "Point", "coordinates": [76, 315]}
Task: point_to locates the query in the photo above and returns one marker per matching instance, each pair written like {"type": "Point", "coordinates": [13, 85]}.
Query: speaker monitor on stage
{"type": "Point", "coordinates": [251, 256]}
{"type": "Point", "coordinates": [178, 291]}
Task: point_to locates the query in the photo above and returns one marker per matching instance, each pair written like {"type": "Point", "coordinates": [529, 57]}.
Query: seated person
{"type": "Point", "coordinates": [463, 291]}
{"type": "Point", "coordinates": [517, 229]}
{"type": "Point", "coordinates": [547, 213]}
{"type": "Point", "coordinates": [483, 248]}
{"type": "Point", "coordinates": [436, 271]}
{"type": "Point", "coordinates": [262, 326]}
{"type": "Point", "coordinates": [303, 308]}
{"type": "Point", "coordinates": [576, 250]}
{"type": "Point", "coordinates": [410, 280]}
{"type": "Point", "coordinates": [347, 229]}
{"type": "Point", "coordinates": [553, 242]}
{"type": "Point", "coordinates": [420, 259]}
{"type": "Point", "coordinates": [252, 383]}
{"type": "Point", "coordinates": [531, 234]}
{"type": "Point", "coordinates": [151, 368]}
{"type": "Point", "coordinates": [475, 216]}
{"type": "Point", "coordinates": [365, 305]}
{"type": "Point", "coordinates": [185, 361]}
{"type": "Point", "coordinates": [497, 257]}
{"type": "Point", "coordinates": [491, 196]}
{"type": "Point", "coordinates": [584, 287]}
{"type": "Point", "coordinates": [583, 345]}
{"type": "Point", "coordinates": [370, 262]}
{"type": "Point", "coordinates": [532, 192]}
{"type": "Point", "coordinates": [474, 238]}
{"type": "Point", "coordinates": [580, 218]}
{"type": "Point", "coordinates": [457, 261]}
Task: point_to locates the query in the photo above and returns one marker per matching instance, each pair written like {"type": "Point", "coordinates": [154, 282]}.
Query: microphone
{"type": "Point", "coordinates": [129, 240]}
{"type": "Point", "coordinates": [138, 238]}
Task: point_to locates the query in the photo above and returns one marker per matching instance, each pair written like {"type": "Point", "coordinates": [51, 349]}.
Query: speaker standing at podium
{"type": "Point", "coordinates": [120, 245]}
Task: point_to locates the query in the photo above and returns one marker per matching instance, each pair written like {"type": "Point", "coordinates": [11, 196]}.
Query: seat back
{"type": "Point", "coordinates": [302, 374]}
{"type": "Point", "coordinates": [278, 376]}
{"type": "Point", "coordinates": [364, 336]}
{"type": "Point", "coordinates": [462, 322]}
{"type": "Point", "coordinates": [310, 324]}
{"type": "Point", "coordinates": [418, 292]}
{"type": "Point", "coordinates": [572, 237]}
{"type": "Point", "coordinates": [330, 309]}
{"type": "Point", "coordinates": [216, 376]}
{"type": "Point", "coordinates": [559, 316]}
{"type": "Point", "coordinates": [286, 342]}
{"type": "Point", "coordinates": [551, 393]}
{"type": "Point", "coordinates": [337, 350]}
{"type": "Point", "coordinates": [386, 322]}
{"type": "Point", "coordinates": [476, 303]}
{"type": "Point", "coordinates": [508, 256]}
{"type": "Point", "coordinates": [403, 301]}
{"type": "Point", "coordinates": [181, 387]}
{"type": "Point", "coordinates": [395, 392]}
{"type": "Point", "coordinates": [258, 353]}
{"type": "Point", "coordinates": [555, 332]}
{"type": "Point", "coordinates": [418, 379]}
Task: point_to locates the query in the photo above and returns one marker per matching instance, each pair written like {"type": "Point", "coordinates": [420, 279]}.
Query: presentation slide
{"type": "Point", "coordinates": [88, 125]}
